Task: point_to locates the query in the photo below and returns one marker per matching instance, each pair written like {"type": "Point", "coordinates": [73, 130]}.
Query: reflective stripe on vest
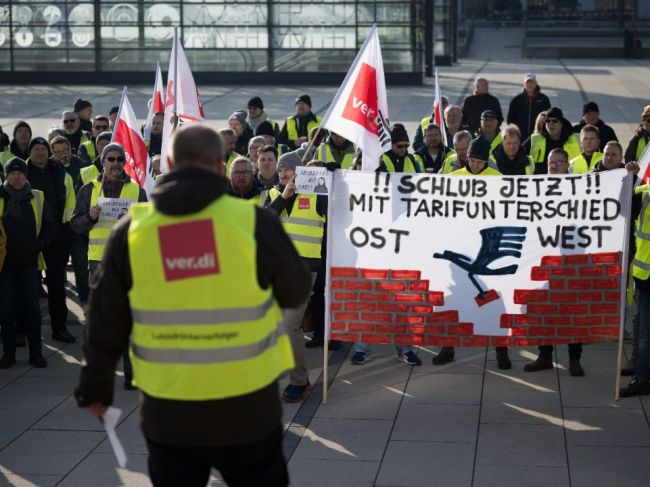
{"type": "Point", "coordinates": [579, 165]}
{"type": "Point", "coordinates": [292, 126]}
{"type": "Point", "coordinates": [640, 147]}
{"type": "Point", "coordinates": [410, 164]}
{"type": "Point", "coordinates": [305, 227]}
{"type": "Point", "coordinates": [327, 156]}
{"type": "Point", "coordinates": [99, 233]}
{"type": "Point", "coordinates": [216, 333]}
{"type": "Point", "coordinates": [641, 262]}
{"type": "Point", "coordinates": [89, 173]}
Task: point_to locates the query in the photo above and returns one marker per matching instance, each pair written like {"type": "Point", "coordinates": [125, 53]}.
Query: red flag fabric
{"type": "Point", "coordinates": [157, 104]}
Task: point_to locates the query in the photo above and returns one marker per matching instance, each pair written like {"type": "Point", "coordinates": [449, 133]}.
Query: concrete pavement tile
{"type": "Point", "coordinates": [130, 435]}
{"type": "Point", "coordinates": [521, 444]}
{"type": "Point", "coordinates": [344, 439]}
{"type": "Point", "coordinates": [595, 390]}
{"type": "Point", "coordinates": [531, 407]}
{"type": "Point", "coordinates": [101, 470]}
{"type": "Point", "coordinates": [606, 427]}
{"type": "Point", "coordinates": [326, 473]}
{"type": "Point", "coordinates": [47, 452]}
{"type": "Point", "coordinates": [598, 466]}
{"type": "Point", "coordinates": [38, 393]}
{"type": "Point", "coordinates": [518, 380]}
{"type": "Point", "coordinates": [415, 464]}
{"type": "Point", "coordinates": [513, 476]}
{"type": "Point", "coordinates": [434, 388]}
{"type": "Point", "coordinates": [13, 480]}
{"type": "Point", "coordinates": [378, 404]}
{"type": "Point", "coordinates": [466, 361]}
{"type": "Point", "coordinates": [433, 422]}
{"type": "Point", "coordinates": [61, 362]}
{"type": "Point", "coordinates": [14, 422]}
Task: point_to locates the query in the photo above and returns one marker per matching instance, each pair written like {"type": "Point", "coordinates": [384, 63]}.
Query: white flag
{"type": "Point", "coordinates": [644, 166]}
{"type": "Point", "coordinates": [359, 111]}
{"type": "Point", "coordinates": [439, 112]}
{"type": "Point", "coordinates": [183, 104]}
{"type": "Point", "coordinates": [157, 103]}
{"type": "Point", "coordinates": [127, 134]}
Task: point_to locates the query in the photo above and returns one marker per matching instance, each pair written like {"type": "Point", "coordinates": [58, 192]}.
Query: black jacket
{"type": "Point", "coordinates": [22, 244]}
{"type": "Point", "coordinates": [511, 167]}
{"type": "Point", "coordinates": [523, 111]}
{"type": "Point", "coordinates": [474, 105]}
{"type": "Point", "coordinates": [431, 164]}
{"type": "Point", "coordinates": [605, 131]}
{"type": "Point", "coordinates": [13, 147]}
{"type": "Point", "coordinates": [155, 144]}
{"type": "Point", "coordinates": [269, 185]}
{"type": "Point", "coordinates": [75, 140]}
{"type": "Point", "coordinates": [241, 145]}
{"type": "Point", "coordinates": [50, 180]}
{"type": "Point", "coordinates": [73, 169]}
{"type": "Point", "coordinates": [233, 421]}
{"type": "Point", "coordinates": [630, 152]}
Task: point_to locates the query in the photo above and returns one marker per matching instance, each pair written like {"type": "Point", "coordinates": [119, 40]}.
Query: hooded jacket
{"type": "Point", "coordinates": [234, 421]}
{"type": "Point", "coordinates": [523, 111]}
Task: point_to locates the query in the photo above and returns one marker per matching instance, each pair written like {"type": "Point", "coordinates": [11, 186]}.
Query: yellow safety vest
{"type": "Point", "coordinates": [91, 151]}
{"type": "Point", "coordinates": [70, 198]}
{"type": "Point", "coordinates": [292, 126]}
{"type": "Point", "coordinates": [410, 164]}
{"type": "Point", "coordinates": [496, 142]}
{"type": "Point", "coordinates": [202, 335]}
{"type": "Point", "coordinates": [640, 147]}
{"type": "Point", "coordinates": [305, 227]}
{"type": "Point", "coordinates": [538, 147]}
{"type": "Point", "coordinates": [37, 202]}
{"type": "Point", "coordinates": [488, 171]}
{"type": "Point", "coordinates": [89, 173]}
{"type": "Point", "coordinates": [641, 262]}
{"type": "Point", "coordinates": [450, 165]}
{"type": "Point", "coordinates": [426, 121]}
{"type": "Point", "coordinates": [233, 155]}
{"type": "Point", "coordinates": [578, 165]}
{"type": "Point", "coordinates": [326, 155]}
{"type": "Point", "coordinates": [98, 235]}
{"type": "Point", "coordinates": [5, 157]}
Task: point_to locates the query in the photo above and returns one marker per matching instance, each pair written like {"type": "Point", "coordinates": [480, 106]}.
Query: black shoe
{"type": "Point", "coordinates": [7, 361]}
{"type": "Point", "coordinates": [541, 363]}
{"type": "Point", "coordinates": [335, 344]}
{"type": "Point", "coordinates": [315, 342]}
{"type": "Point", "coordinates": [38, 362]}
{"type": "Point", "coordinates": [575, 369]}
{"type": "Point", "coordinates": [629, 368]}
{"type": "Point", "coordinates": [21, 340]}
{"type": "Point", "coordinates": [445, 355]}
{"type": "Point", "coordinates": [503, 359]}
{"type": "Point", "coordinates": [63, 336]}
{"type": "Point", "coordinates": [636, 387]}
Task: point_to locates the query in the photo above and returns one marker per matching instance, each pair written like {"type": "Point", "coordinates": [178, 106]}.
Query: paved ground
{"type": "Point", "coordinates": [386, 424]}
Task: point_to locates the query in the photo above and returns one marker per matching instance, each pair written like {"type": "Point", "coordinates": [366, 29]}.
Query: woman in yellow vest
{"type": "Point", "coordinates": [638, 143]}
{"type": "Point", "coordinates": [196, 280]}
{"type": "Point", "coordinates": [556, 133]}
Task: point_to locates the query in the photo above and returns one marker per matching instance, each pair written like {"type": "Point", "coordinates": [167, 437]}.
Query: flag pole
{"type": "Point", "coordinates": [176, 42]}
{"type": "Point", "coordinates": [328, 287]}
{"type": "Point", "coordinates": [119, 114]}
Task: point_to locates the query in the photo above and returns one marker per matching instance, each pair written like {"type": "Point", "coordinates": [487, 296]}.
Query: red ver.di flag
{"type": "Point", "coordinates": [359, 111]}
{"type": "Point", "coordinates": [128, 135]}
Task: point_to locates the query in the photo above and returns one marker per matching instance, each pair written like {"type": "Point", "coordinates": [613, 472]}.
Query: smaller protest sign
{"type": "Point", "coordinates": [113, 208]}
{"type": "Point", "coordinates": [313, 180]}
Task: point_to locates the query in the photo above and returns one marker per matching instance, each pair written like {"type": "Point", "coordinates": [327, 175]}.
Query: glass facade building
{"type": "Point", "coordinates": [219, 36]}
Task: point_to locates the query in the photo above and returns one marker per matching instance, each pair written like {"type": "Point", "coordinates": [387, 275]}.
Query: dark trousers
{"type": "Point", "coordinates": [575, 351]}
{"type": "Point", "coordinates": [77, 249]}
{"type": "Point", "coordinates": [55, 260]}
{"type": "Point", "coordinates": [253, 465]}
{"type": "Point", "coordinates": [19, 303]}
{"type": "Point", "coordinates": [317, 303]}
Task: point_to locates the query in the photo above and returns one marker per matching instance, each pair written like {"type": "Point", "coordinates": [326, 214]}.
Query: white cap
{"type": "Point", "coordinates": [528, 76]}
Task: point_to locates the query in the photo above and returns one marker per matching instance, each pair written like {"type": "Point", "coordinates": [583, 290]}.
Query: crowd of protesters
{"type": "Point", "coordinates": [52, 216]}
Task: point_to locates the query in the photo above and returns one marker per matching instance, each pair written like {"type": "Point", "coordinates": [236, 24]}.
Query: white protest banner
{"type": "Point", "coordinates": [313, 180]}
{"type": "Point", "coordinates": [475, 261]}
{"type": "Point", "coordinates": [113, 208]}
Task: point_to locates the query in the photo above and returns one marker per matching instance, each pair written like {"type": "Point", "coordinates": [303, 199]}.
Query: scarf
{"type": "Point", "coordinates": [16, 197]}
{"type": "Point", "coordinates": [254, 122]}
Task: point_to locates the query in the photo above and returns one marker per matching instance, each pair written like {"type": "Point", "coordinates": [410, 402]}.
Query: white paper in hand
{"type": "Point", "coordinates": [111, 417]}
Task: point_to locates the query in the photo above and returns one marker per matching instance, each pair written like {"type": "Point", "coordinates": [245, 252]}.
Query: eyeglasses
{"type": "Point", "coordinates": [402, 146]}
{"type": "Point", "coordinates": [70, 120]}
{"type": "Point", "coordinates": [646, 119]}
{"type": "Point", "coordinates": [115, 159]}
{"type": "Point", "coordinates": [552, 120]}
{"type": "Point", "coordinates": [101, 127]}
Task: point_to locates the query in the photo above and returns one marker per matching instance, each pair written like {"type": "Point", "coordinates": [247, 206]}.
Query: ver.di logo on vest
{"type": "Point", "coordinates": [188, 250]}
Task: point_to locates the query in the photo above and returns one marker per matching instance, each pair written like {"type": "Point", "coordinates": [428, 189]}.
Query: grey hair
{"type": "Point", "coordinates": [258, 139]}
{"type": "Point", "coordinates": [511, 129]}
{"type": "Point", "coordinates": [461, 136]}
{"type": "Point", "coordinates": [453, 107]}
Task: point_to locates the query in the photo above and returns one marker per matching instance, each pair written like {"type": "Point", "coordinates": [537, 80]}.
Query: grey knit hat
{"type": "Point", "coordinates": [240, 116]}
{"type": "Point", "coordinates": [290, 160]}
{"type": "Point", "coordinates": [110, 147]}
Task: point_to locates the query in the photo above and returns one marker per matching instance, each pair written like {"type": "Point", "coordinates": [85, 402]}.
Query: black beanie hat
{"type": "Point", "coordinates": [39, 141]}
{"type": "Point", "coordinates": [16, 164]}
{"type": "Point", "coordinates": [590, 106]}
{"type": "Point", "coordinates": [22, 123]}
{"type": "Point", "coordinates": [114, 110]}
{"type": "Point", "coordinates": [479, 148]}
{"type": "Point", "coordinates": [265, 128]}
{"type": "Point", "coordinates": [80, 104]}
{"type": "Point", "coordinates": [256, 101]}
{"type": "Point", "coordinates": [304, 98]}
{"type": "Point", "coordinates": [398, 134]}
{"type": "Point", "coordinates": [555, 112]}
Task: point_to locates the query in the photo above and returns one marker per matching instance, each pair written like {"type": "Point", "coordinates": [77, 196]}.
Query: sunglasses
{"type": "Point", "coordinates": [101, 127]}
{"type": "Point", "coordinates": [552, 120]}
{"type": "Point", "coordinates": [115, 159]}
{"type": "Point", "coordinates": [402, 146]}
{"type": "Point", "coordinates": [70, 120]}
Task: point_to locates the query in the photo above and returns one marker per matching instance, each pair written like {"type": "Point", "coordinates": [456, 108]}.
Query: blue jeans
{"type": "Point", "coordinates": [365, 348]}
{"type": "Point", "coordinates": [643, 356]}
{"type": "Point", "coordinates": [19, 291]}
